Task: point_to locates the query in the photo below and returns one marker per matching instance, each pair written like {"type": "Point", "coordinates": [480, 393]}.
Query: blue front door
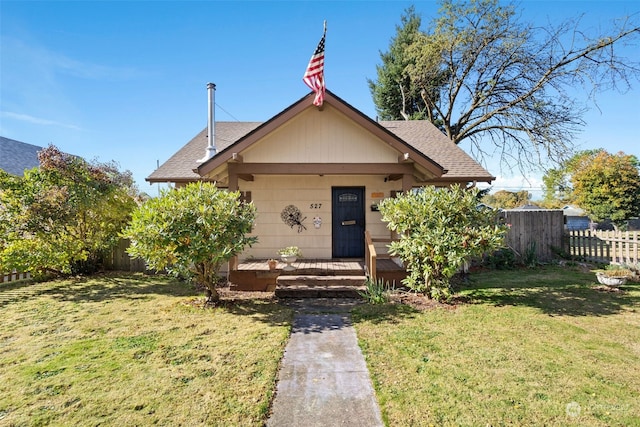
{"type": "Point", "coordinates": [348, 218]}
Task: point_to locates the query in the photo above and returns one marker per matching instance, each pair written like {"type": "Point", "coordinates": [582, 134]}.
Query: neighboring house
{"type": "Point", "coordinates": [16, 156]}
{"type": "Point", "coordinates": [528, 207]}
{"type": "Point", "coordinates": [316, 175]}
{"type": "Point", "coordinates": [575, 218]}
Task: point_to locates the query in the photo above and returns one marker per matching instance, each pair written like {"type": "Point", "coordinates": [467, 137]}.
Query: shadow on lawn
{"type": "Point", "coordinates": [113, 286]}
{"type": "Point", "coordinates": [101, 287]}
{"type": "Point", "coordinates": [571, 300]}
{"type": "Point", "coordinates": [383, 313]}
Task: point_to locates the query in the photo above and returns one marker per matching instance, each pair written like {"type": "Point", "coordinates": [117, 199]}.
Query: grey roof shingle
{"type": "Point", "coordinates": [425, 137]}
{"type": "Point", "coordinates": [180, 166]}
{"type": "Point", "coordinates": [16, 156]}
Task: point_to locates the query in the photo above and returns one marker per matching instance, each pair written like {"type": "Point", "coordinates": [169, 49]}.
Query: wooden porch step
{"type": "Point", "coordinates": [311, 286]}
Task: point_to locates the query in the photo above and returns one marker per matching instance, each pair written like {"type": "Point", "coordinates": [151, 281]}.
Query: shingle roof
{"type": "Point", "coordinates": [16, 156]}
{"type": "Point", "coordinates": [180, 166]}
{"type": "Point", "coordinates": [427, 138]}
{"type": "Point", "coordinates": [422, 136]}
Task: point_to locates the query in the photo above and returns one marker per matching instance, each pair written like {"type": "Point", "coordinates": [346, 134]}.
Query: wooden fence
{"type": "Point", "coordinates": [619, 247]}
{"type": "Point", "coordinates": [119, 259]}
{"type": "Point", "coordinates": [538, 230]}
{"type": "Point", "coordinates": [11, 277]}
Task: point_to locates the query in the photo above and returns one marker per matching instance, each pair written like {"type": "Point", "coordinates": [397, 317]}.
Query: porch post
{"type": "Point", "coordinates": [233, 186]}
{"type": "Point", "coordinates": [407, 182]}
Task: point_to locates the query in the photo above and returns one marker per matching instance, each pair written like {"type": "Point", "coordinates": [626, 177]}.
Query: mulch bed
{"type": "Point", "coordinates": [229, 298]}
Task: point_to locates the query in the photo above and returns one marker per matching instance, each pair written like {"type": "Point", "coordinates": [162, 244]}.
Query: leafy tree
{"type": "Point", "coordinates": [439, 230]}
{"type": "Point", "coordinates": [61, 217]}
{"type": "Point", "coordinates": [556, 189]}
{"type": "Point", "coordinates": [394, 95]}
{"type": "Point", "coordinates": [507, 199]}
{"type": "Point", "coordinates": [607, 186]}
{"type": "Point", "coordinates": [191, 231]}
{"type": "Point", "coordinates": [505, 86]}
{"type": "Point", "coordinates": [557, 186]}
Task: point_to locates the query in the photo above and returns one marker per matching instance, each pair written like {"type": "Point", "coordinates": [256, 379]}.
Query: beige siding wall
{"type": "Point", "coordinates": [304, 140]}
{"type": "Point", "coordinates": [271, 194]}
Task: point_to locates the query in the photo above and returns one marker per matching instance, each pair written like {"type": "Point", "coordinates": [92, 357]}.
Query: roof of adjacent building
{"type": "Point", "coordinates": [573, 211]}
{"type": "Point", "coordinates": [16, 156]}
{"type": "Point", "coordinates": [421, 135]}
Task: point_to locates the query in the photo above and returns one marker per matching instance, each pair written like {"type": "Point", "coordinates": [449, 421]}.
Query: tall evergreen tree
{"type": "Point", "coordinates": [394, 95]}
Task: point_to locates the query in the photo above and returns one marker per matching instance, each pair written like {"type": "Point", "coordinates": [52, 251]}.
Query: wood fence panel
{"type": "Point", "coordinates": [12, 277]}
{"type": "Point", "coordinates": [119, 259]}
{"type": "Point", "coordinates": [618, 247]}
{"type": "Point", "coordinates": [543, 228]}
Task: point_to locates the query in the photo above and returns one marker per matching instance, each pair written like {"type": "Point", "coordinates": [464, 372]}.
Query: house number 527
{"type": "Point", "coordinates": [315, 205]}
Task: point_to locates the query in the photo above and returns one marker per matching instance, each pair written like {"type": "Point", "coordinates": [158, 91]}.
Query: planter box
{"type": "Point", "coordinates": [610, 281]}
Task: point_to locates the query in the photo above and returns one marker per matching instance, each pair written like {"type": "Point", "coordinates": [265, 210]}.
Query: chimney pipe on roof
{"type": "Point", "coordinates": [211, 136]}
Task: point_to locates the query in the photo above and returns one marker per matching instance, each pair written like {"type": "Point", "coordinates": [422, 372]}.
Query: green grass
{"type": "Point", "coordinates": [127, 350]}
{"type": "Point", "coordinates": [523, 346]}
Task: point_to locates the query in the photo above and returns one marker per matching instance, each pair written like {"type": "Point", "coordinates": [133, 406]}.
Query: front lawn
{"type": "Point", "coordinates": [526, 347]}
{"type": "Point", "coordinates": [127, 350]}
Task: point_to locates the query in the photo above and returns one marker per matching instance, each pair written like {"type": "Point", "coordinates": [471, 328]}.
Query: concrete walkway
{"type": "Point", "coordinates": [323, 380]}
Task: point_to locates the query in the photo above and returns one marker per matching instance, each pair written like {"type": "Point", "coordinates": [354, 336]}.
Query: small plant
{"type": "Point", "coordinates": [290, 251]}
{"type": "Point", "coordinates": [375, 291]}
{"type": "Point", "coordinates": [614, 271]}
{"type": "Point", "coordinates": [530, 258]}
{"type": "Point", "coordinates": [502, 259]}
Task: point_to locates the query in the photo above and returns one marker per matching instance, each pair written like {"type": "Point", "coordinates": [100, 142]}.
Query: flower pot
{"type": "Point", "coordinates": [610, 280]}
{"type": "Point", "coordinates": [272, 264]}
{"type": "Point", "coordinates": [288, 259]}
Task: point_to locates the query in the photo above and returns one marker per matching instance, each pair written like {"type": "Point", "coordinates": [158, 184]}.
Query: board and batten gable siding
{"type": "Point", "coordinates": [320, 137]}
{"type": "Point", "coordinates": [272, 193]}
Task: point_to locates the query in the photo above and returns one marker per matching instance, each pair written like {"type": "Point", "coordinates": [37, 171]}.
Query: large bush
{"type": "Point", "coordinates": [60, 218]}
{"type": "Point", "coordinates": [439, 230]}
{"type": "Point", "coordinates": [191, 232]}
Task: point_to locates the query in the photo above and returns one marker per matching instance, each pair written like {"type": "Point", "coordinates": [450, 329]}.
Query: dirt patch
{"type": "Point", "coordinates": [229, 298]}
{"type": "Point", "coordinates": [420, 302]}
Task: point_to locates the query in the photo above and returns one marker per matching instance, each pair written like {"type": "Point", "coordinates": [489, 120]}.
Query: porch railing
{"type": "Point", "coordinates": [371, 255]}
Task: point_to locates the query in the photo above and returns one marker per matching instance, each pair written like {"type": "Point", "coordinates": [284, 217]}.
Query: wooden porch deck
{"type": "Point", "coordinates": [254, 274]}
{"type": "Point", "coordinates": [318, 267]}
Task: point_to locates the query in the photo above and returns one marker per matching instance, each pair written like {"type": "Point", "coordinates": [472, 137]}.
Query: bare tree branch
{"type": "Point", "coordinates": [490, 79]}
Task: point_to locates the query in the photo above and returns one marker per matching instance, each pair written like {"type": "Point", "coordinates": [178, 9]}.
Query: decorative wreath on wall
{"type": "Point", "coordinates": [292, 216]}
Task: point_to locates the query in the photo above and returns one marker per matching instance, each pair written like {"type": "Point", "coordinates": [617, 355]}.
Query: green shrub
{"type": "Point", "coordinates": [191, 232]}
{"type": "Point", "coordinates": [440, 229]}
{"type": "Point", "coordinates": [502, 259]}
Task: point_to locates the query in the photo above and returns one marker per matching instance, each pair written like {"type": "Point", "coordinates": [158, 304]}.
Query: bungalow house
{"type": "Point", "coordinates": [316, 174]}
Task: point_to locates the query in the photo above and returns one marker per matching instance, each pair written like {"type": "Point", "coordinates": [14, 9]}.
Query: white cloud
{"type": "Point", "coordinates": [37, 120]}
{"type": "Point", "coordinates": [49, 62]}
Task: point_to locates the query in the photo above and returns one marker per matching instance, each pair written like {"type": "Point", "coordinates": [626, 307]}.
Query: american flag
{"type": "Point", "coordinates": [314, 75]}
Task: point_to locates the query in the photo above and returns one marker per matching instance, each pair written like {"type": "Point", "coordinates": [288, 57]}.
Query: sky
{"type": "Point", "coordinates": [126, 80]}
